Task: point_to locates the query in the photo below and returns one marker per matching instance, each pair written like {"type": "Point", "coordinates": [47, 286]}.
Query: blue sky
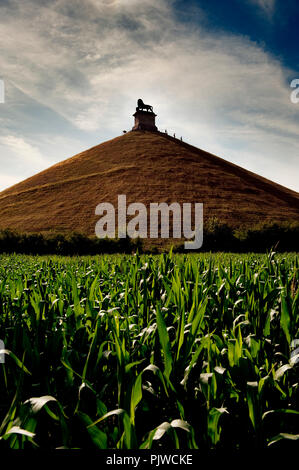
{"type": "Point", "coordinates": [217, 72]}
{"type": "Point", "coordinates": [273, 24]}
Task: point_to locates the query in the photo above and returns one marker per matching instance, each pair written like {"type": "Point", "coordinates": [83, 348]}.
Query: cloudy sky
{"type": "Point", "coordinates": [217, 72]}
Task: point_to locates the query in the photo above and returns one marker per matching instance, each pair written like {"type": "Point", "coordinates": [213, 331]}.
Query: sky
{"type": "Point", "coordinates": [218, 73]}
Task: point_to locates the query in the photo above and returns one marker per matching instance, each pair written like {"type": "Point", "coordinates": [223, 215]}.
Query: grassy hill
{"type": "Point", "coordinates": [147, 167]}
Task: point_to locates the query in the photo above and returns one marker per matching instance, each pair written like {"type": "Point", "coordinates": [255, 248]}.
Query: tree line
{"type": "Point", "coordinates": [216, 237]}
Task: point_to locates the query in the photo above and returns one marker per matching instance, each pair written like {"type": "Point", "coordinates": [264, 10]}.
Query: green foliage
{"type": "Point", "coordinates": [217, 237]}
{"type": "Point", "coordinates": [70, 244]}
{"type": "Point", "coordinates": [169, 351]}
{"type": "Point", "coordinates": [259, 238]}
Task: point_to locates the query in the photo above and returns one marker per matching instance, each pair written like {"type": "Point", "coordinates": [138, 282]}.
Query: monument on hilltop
{"type": "Point", "coordinates": [144, 117]}
{"type": "Point", "coordinates": [149, 167]}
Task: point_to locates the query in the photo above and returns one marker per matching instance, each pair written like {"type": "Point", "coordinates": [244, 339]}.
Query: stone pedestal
{"type": "Point", "coordinates": [144, 121]}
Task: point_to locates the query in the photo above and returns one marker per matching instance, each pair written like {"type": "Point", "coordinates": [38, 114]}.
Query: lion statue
{"type": "Point", "coordinates": [141, 106]}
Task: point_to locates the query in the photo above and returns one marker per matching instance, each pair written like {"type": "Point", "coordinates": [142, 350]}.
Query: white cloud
{"type": "Point", "coordinates": [26, 152]}
{"type": "Point", "coordinates": [7, 180]}
{"type": "Point", "coordinates": [19, 160]}
{"type": "Point", "coordinates": [268, 6]}
{"type": "Point", "coordinates": [89, 64]}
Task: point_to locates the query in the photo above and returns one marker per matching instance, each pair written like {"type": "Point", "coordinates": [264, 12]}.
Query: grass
{"type": "Point", "coordinates": [148, 167]}
{"type": "Point", "coordinates": [170, 351]}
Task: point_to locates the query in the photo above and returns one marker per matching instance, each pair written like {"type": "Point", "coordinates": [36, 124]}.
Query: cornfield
{"type": "Point", "coordinates": [149, 352]}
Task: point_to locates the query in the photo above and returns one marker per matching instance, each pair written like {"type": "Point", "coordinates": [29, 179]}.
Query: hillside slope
{"type": "Point", "coordinates": [147, 167]}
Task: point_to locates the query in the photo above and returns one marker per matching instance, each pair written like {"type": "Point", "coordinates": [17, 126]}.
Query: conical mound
{"type": "Point", "coordinates": [146, 167]}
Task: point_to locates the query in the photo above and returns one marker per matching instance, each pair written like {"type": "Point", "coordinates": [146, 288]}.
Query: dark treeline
{"type": "Point", "coordinates": [216, 237]}
{"type": "Point", "coordinates": [261, 238]}
{"type": "Point", "coordinates": [63, 244]}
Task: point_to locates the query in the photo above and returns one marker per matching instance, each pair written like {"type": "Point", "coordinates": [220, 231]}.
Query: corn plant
{"type": "Point", "coordinates": [170, 351]}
